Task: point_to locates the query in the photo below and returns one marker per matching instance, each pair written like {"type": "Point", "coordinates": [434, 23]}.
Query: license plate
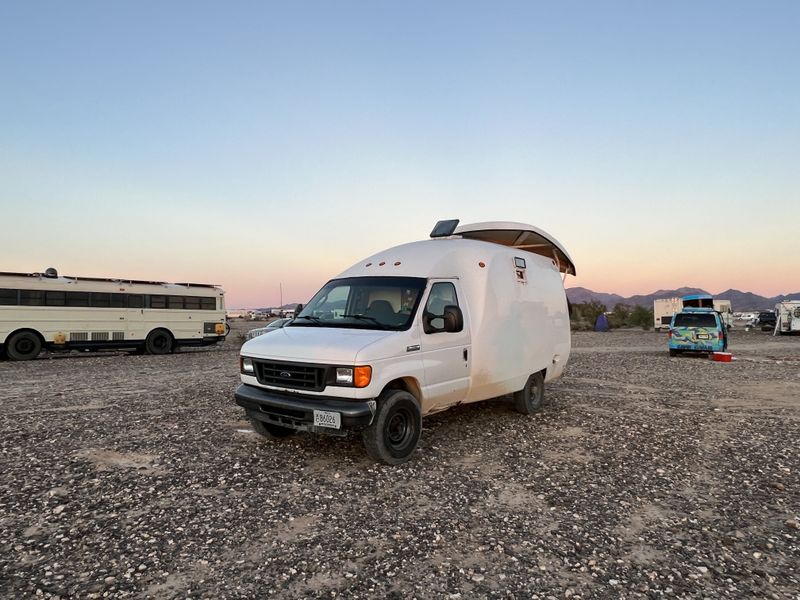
{"type": "Point", "coordinates": [702, 336]}
{"type": "Point", "coordinates": [327, 418]}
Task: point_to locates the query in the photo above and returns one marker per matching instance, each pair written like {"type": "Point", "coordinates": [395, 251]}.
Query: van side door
{"type": "Point", "coordinates": [446, 355]}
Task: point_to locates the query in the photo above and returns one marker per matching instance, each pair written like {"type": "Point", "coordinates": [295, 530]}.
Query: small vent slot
{"type": "Point", "coordinates": [118, 336]}
{"type": "Point", "coordinates": [99, 336]}
{"type": "Point", "coordinates": [76, 336]}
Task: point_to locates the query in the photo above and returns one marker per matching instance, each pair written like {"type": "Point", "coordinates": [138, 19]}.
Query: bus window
{"type": "Point", "coordinates": [158, 302]}
{"type": "Point", "coordinates": [77, 299]}
{"type": "Point", "coordinates": [175, 302]}
{"type": "Point", "coordinates": [191, 302]}
{"type": "Point", "coordinates": [208, 303]}
{"type": "Point", "coordinates": [135, 301]}
{"type": "Point", "coordinates": [8, 297]}
{"type": "Point", "coordinates": [101, 300]}
{"type": "Point", "coordinates": [118, 301]}
{"type": "Point", "coordinates": [31, 297]}
{"type": "Point", "coordinates": [55, 298]}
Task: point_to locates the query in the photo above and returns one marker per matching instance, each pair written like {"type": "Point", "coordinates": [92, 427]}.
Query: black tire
{"type": "Point", "coordinates": [271, 431]}
{"type": "Point", "coordinates": [159, 341]}
{"type": "Point", "coordinates": [673, 352]}
{"type": "Point", "coordinates": [396, 428]}
{"type": "Point", "coordinates": [530, 399]}
{"type": "Point", "coordinates": [24, 345]}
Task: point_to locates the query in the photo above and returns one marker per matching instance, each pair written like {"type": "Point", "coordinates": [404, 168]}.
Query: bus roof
{"type": "Point", "coordinates": [108, 279]}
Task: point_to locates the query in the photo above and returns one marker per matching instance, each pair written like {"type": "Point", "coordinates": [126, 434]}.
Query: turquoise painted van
{"type": "Point", "coordinates": [697, 330]}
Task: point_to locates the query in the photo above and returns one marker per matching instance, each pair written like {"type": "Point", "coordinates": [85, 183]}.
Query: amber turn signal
{"type": "Point", "coordinates": [363, 375]}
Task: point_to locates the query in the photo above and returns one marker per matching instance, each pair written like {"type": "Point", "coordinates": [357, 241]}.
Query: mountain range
{"type": "Point", "coordinates": [740, 301]}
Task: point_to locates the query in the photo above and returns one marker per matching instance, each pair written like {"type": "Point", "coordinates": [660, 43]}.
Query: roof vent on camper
{"type": "Point", "coordinates": [51, 272]}
{"type": "Point", "coordinates": [444, 228]}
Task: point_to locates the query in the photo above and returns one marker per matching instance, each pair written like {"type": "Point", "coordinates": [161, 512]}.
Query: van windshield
{"type": "Point", "coordinates": [695, 320]}
{"type": "Point", "coordinates": [387, 303]}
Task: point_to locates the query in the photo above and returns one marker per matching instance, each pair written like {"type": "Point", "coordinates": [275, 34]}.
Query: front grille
{"type": "Point", "coordinates": [291, 375]}
{"type": "Point", "coordinates": [666, 320]}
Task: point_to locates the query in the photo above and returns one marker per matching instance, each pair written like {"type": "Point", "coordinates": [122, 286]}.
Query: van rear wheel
{"type": "Point", "coordinates": [395, 430]}
{"type": "Point", "coordinates": [529, 400]}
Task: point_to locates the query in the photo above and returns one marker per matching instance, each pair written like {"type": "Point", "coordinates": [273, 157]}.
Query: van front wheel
{"type": "Point", "coordinates": [271, 431]}
{"type": "Point", "coordinates": [395, 429]}
{"type": "Point", "coordinates": [530, 399]}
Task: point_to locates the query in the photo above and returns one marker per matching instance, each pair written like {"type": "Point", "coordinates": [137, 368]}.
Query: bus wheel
{"type": "Point", "coordinates": [159, 341]}
{"type": "Point", "coordinates": [270, 431]}
{"type": "Point", "coordinates": [24, 345]}
{"type": "Point", "coordinates": [395, 428]}
{"type": "Point", "coordinates": [530, 399]}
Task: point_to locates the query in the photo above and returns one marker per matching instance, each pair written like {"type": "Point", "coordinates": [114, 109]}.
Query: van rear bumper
{"type": "Point", "coordinates": [297, 412]}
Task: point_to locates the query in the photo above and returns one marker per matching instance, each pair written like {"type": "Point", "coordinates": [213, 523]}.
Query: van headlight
{"type": "Point", "coordinates": [246, 366]}
{"type": "Point", "coordinates": [353, 376]}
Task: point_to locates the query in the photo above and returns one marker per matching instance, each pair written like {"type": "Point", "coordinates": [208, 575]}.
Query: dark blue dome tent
{"type": "Point", "coordinates": [601, 324]}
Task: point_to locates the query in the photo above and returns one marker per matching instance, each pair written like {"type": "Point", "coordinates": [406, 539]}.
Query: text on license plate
{"type": "Point", "coordinates": [327, 418]}
{"type": "Point", "coordinates": [702, 336]}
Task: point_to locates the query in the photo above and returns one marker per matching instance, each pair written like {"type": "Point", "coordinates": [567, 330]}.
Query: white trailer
{"type": "Point", "coordinates": [663, 309]}
{"type": "Point", "coordinates": [788, 317]}
{"type": "Point", "coordinates": [476, 312]}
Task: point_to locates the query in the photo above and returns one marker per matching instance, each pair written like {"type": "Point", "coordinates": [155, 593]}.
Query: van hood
{"type": "Point", "coordinates": [332, 345]}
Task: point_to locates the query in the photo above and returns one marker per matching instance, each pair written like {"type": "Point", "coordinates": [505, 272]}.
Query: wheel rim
{"type": "Point", "coordinates": [399, 431]}
{"type": "Point", "coordinates": [24, 346]}
{"type": "Point", "coordinates": [160, 342]}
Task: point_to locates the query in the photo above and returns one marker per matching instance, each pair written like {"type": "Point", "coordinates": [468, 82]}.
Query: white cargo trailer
{"type": "Point", "coordinates": [663, 309]}
{"type": "Point", "coordinates": [476, 312]}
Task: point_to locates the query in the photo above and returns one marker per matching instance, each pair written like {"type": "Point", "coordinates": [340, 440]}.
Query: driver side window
{"type": "Point", "coordinates": [442, 294]}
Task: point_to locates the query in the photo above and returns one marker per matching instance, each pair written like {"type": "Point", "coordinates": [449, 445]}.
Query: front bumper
{"type": "Point", "coordinates": [297, 412]}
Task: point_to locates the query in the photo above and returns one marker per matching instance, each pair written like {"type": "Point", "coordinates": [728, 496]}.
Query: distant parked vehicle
{"type": "Point", "coordinates": [766, 320]}
{"type": "Point", "coordinates": [275, 325]}
{"type": "Point", "coordinates": [45, 310]}
{"type": "Point", "coordinates": [697, 330]}
{"type": "Point", "coordinates": [788, 317]}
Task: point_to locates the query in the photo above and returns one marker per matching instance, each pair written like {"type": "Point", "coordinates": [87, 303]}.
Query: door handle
{"type": "Point", "coordinates": [466, 354]}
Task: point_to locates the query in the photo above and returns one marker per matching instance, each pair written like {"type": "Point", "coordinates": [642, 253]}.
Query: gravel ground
{"type": "Point", "coordinates": [645, 477]}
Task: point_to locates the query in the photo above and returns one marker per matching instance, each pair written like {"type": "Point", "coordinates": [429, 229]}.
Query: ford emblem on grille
{"type": "Point", "coordinates": [285, 374]}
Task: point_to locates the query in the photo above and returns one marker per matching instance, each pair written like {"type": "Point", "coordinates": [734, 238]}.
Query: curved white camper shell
{"type": "Point", "coordinates": [516, 321]}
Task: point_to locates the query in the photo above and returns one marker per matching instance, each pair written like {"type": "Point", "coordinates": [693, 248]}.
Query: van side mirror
{"type": "Point", "coordinates": [450, 321]}
{"type": "Point", "coordinates": [453, 319]}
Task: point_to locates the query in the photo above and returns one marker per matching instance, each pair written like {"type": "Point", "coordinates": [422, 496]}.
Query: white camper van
{"type": "Point", "coordinates": [475, 312]}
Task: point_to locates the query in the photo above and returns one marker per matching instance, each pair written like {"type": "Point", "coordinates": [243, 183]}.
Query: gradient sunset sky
{"type": "Point", "coordinates": [252, 143]}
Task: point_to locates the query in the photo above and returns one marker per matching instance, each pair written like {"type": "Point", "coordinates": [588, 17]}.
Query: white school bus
{"type": "Point", "coordinates": [47, 311]}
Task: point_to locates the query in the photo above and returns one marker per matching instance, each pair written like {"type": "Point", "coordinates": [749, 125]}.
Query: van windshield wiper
{"type": "Point", "coordinates": [365, 318]}
{"type": "Point", "coordinates": [315, 320]}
